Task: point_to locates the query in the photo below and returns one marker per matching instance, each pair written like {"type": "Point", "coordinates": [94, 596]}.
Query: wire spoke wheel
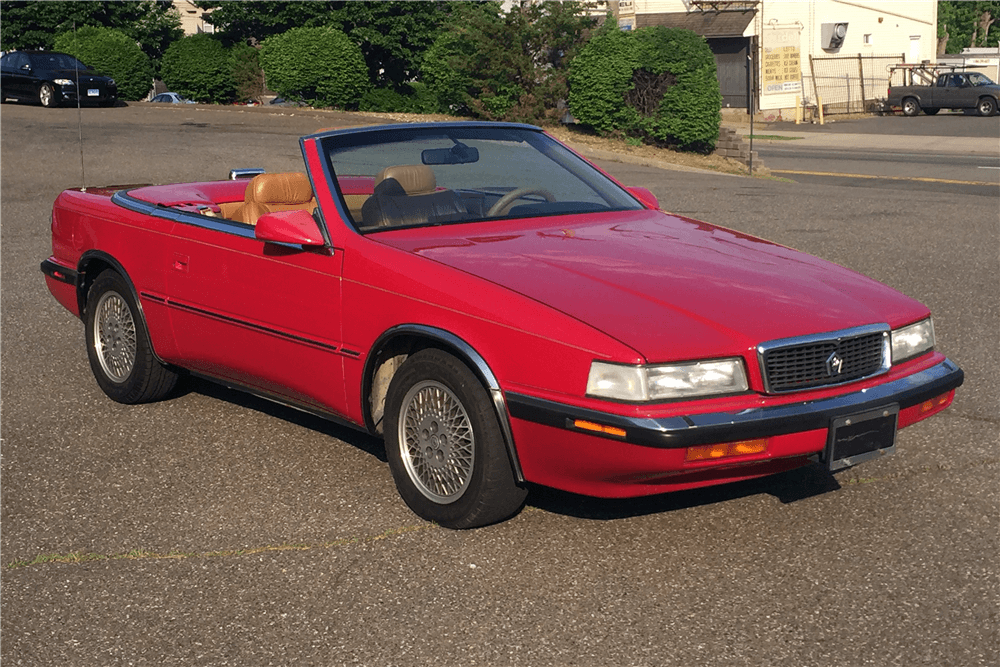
{"type": "Point", "coordinates": [115, 337]}
{"type": "Point", "coordinates": [438, 444]}
{"type": "Point", "coordinates": [118, 347]}
{"type": "Point", "coordinates": [444, 445]}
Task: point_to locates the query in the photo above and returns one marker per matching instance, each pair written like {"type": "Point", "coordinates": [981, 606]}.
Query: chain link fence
{"type": "Point", "coordinates": [850, 84]}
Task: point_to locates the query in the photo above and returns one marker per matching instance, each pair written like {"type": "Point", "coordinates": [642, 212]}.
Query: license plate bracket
{"type": "Point", "coordinates": [854, 439]}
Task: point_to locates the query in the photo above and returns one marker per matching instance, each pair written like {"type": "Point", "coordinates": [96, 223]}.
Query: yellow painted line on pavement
{"type": "Point", "coordinates": [887, 178]}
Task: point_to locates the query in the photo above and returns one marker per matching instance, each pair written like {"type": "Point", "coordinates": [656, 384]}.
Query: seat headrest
{"type": "Point", "coordinates": [287, 188]}
{"type": "Point", "coordinates": [415, 179]}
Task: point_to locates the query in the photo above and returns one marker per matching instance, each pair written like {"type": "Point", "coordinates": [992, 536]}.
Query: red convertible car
{"type": "Point", "coordinates": [499, 310]}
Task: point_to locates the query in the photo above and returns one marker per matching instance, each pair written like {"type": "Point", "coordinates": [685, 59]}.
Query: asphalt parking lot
{"type": "Point", "coordinates": [215, 528]}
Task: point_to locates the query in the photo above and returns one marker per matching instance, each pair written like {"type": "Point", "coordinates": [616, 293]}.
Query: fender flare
{"type": "Point", "coordinates": [460, 348]}
{"type": "Point", "coordinates": [82, 282]}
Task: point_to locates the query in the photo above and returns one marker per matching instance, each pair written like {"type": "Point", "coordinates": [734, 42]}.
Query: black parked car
{"type": "Point", "coordinates": [52, 79]}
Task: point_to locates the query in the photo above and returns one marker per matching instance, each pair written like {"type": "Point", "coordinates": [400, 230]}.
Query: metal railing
{"type": "Point", "coordinates": [850, 84]}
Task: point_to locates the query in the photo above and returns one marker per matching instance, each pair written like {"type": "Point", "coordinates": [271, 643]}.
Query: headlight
{"type": "Point", "coordinates": [63, 82]}
{"type": "Point", "coordinates": [666, 382]}
{"type": "Point", "coordinates": [908, 342]}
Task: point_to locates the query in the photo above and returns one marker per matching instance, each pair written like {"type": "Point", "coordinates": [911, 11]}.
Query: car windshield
{"type": "Point", "coordinates": [56, 61]}
{"type": "Point", "coordinates": [400, 176]}
{"type": "Point", "coordinates": [977, 79]}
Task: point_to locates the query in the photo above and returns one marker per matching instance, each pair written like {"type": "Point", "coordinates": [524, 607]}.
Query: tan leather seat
{"type": "Point", "coordinates": [408, 195]}
{"type": "Point", "coordinates": [275, 192]}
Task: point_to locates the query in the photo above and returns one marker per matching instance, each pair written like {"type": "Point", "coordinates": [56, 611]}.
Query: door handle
{"type": "Point", "coordinates": [181, 262]}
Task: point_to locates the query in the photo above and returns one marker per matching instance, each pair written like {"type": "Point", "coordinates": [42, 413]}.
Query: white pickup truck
{"type": "Point", "coordinates": [951, 90]}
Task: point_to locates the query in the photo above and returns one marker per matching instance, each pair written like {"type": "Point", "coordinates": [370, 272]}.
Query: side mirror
{"type": "Point", "coordinates": [645, 196]}
{"type": "Point", "coordinates": [296, 227]}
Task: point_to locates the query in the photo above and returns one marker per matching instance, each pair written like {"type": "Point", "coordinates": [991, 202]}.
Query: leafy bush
{"type": "Point", "coordinates": [247, 74]}
{"type": "Point", "coordinates": [199, 67]}
{"type": "Point", "coordinates": [112, 53]}
{"type": "Point", "coordinates": [658, 84]}
{"type": "Point", "coordinates": [442, 72]}
{"type": "Point", "coordinates": [411, 98]}
{"type": "Point", "coordinates": [599, 78]}
{"type": "Point", "coordinates": [318, 64]}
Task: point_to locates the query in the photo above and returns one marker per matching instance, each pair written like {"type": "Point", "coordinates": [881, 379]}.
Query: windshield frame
{"type": "Point", "coordinates": [608, 194]}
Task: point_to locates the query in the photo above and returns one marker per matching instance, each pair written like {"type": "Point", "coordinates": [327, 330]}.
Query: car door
{"type": "Point", "coordinates": [950, 96]}
{"type": "Point", "coordinates": [16, 75]}
{"type": "Point", "coordinates": [261, 315]}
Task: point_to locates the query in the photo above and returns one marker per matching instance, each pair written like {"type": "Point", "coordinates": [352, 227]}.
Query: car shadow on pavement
{"type": "Point", "coordinates": [788, 487]}
{"type": "Point", "coordinates": [366, 443]}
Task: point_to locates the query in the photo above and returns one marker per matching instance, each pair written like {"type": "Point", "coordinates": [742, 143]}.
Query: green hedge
{"type": "Point", "coordinates": [199, 67]}
{"type": "Point", "coordinates": [320, 65]}
{"type": "Point", "coordinates": [413, 97]}
{"type": "Point", "coordinates": [657, 84]}
{"type": "Point", "coordinates": [112, 53]}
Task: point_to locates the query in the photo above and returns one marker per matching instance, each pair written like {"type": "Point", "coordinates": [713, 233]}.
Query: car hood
{"type": "Point", "coordinates": [666, 286]}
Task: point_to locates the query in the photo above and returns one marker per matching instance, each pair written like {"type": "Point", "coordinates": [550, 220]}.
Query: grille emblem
{"type": "Point", "coordinates": [834, 364]}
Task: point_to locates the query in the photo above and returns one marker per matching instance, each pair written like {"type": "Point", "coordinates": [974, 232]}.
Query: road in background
{"type": "Point", "coordinates": [215, 528]}
{"type": "Point", "coordinates": [948, 152]}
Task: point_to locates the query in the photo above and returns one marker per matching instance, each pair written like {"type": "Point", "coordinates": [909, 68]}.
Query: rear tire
{"type": "Point", "coordinates": [118, 347]}
{"type": "Point", "coordinates": [931, 111]}
{"type": "Point", "coordinates": [444, 445]}
{"type": "Point", "coordinates": [987, 106]}
{"type": "Point", "coordinates": [910, 107]}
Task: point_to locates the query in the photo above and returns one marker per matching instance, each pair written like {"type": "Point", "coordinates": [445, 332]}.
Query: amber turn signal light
{"type": "Point", "coordinates": [599, 428]}
{"type": "Point", "coordinates": [726, 449]}
{"type": "Point", "coordinates": [934, 403]}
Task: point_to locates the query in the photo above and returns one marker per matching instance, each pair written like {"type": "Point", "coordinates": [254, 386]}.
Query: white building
{"type": "Point", "coordinates": [837, 50]}
{"type": "Point", "coordinates": [192, 18]}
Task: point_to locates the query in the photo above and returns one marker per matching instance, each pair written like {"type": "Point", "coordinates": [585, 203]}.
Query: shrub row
{"type": "Point", "coordinates": [655, 84]}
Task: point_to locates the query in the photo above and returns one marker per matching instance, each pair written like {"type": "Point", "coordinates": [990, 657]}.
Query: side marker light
{"type": "Point", "coordinates": [599, 428]}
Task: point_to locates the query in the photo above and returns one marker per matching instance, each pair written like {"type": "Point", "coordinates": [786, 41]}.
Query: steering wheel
{"type": "Point", "coordinates": [504, 203]}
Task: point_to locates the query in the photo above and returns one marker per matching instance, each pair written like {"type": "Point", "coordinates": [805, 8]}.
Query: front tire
{"type": "Point", "coordinates": [931, 111]}
{"type": "Point", "coordinates": [910, 107]}
{"type": "Point", "coordinates": [987, 106]}
{"type": "Point", "coordinates": [118, 347]}
{"type": "Point", "coordinates": [47, 95]}
{"type": "Point", "coordinates": [444, 446]}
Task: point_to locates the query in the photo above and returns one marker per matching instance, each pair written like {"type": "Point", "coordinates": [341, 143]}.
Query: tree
{"type": "Point", "coordinates": [152, 24]}
{"type": "Point", "coordinates": [506, 66]}
{"type": "Point", "coordinates": [392, 36]}
{"type": "Point", "coordinates": [113, 53]}
{"type": "Point", "coordinates": [967, 24]}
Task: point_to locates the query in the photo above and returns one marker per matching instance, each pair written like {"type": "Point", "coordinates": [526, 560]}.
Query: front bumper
{"type": "Point", "coordinates": [763, 422]}
{"type": "Point", "coordinates": [105, 95]}
{"type": "Point", "coordinates": [641, 456]}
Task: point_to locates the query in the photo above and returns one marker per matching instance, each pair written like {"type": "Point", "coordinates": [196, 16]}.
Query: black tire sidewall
{"type": "Point", "coordinates": [148, 379]}
{"type": "Point", "coordinates": [492, 494]}
{"type": "Point", "coordinates": [53, 101]}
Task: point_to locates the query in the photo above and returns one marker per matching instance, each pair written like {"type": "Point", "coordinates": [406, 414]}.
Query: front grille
{"type": "Point", "coordinates": [823, 360]}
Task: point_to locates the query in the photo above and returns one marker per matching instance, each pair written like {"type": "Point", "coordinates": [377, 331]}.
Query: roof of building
{"type": "Point", "coordinates": [706, 24]}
